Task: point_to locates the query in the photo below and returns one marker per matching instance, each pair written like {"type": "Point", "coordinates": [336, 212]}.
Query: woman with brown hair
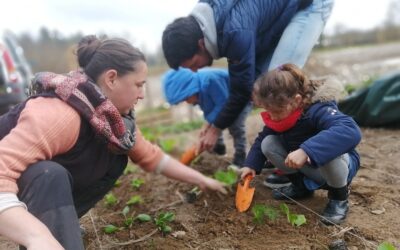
{"type": "Point", "coordinates": [63, 149]}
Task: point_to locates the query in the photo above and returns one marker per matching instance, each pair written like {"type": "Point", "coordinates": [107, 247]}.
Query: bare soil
{"type": "Point", "coordinates": [212, 222]}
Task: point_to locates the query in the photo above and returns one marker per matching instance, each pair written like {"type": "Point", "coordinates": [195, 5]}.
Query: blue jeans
{"type": "Point", "coordinates": [238, 132]}
{"type": "Point", "coordinates": [300, 36]}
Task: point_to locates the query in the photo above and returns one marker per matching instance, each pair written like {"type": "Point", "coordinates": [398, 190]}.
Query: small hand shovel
{"type": "Point", "coordinates": [244, 194]}
{"type": "Point", "coordinates": [189, 155]}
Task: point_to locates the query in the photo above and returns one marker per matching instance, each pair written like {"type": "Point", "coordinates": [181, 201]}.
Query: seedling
{"type": "Point", "coordinates": [130, 169]}
{"type": "Point", "coordinates": [110, 199]}
{"type": "Point", "coordinates": [294, 219]}
{"type": "Point", "coordinates": [136, 199]}
{"type": "Point", "coordinates": [386, 246]}
{"type": "Point", "coordinates": [148, 134]}
{"type": "Point", "coordinates": [192, 195]}
{"type": "Point", "coordinates": [117, 183]}
{"type": "Point", "coordinates": [143, 217]}
{"type": "Point", "coordinates": [229, 177]}
{"type": "Point", "coordinates": [271, 213]}
{"type": "Point", "coordinates": [109, 229]}
{"type": "Point", "coordinates": [128, 219]}
{"type": "Point", "coordinates": [162, 221]}
{"type": "Point", "coordinates": [136, 183]}
{"type": "Point", "coordinates": [260, 211]}
{"type": "Point", "coordinates": [168, 145]}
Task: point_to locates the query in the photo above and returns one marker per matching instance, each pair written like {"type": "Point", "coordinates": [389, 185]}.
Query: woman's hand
{"type": "Point", "coordinates": [245, 171]}
{"type": "Point", "coordinates": [176, 170]}
{"type": "Point", "coordinates": [296, 159]}
{"type": "Point", "coordinates": [211, 184]}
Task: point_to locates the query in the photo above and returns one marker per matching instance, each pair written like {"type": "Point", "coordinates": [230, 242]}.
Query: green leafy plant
{"type": "Point", "coordinates": [128, 219]}
{"type": "Point", "coordinates": [260, 211]}
{"type": "Point", "coordinates": [162, 221]}
{"type": "Point", "coordinates": [130, 169]}
{"type": "Point", "coordinates": [294, 219]}
{"type": "Point", "coordinates": [271, 213]}
{"type": "Point", "coordinates": [109, 229]}
{"type": "Point", "coordinates": [228, 177]}
{"type": "Point", "coordinates": [149, 134]}
{"type": "Point", "coordinates": [136, 183]}
{"type": "Point", "coordinates": [117, 183]}
{"type": "Point", "coordinates": [386, 246]}
{"type": "Point", "coordinates": [143, 217]}
{"type": "Point", "coordinates": [168, 145]}
{"type": "Point", "coordinates": [136, 199]}
{"type": "Point", "coordinates": [110, 199]}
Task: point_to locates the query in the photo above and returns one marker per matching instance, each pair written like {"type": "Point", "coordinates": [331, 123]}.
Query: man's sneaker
{"type": "Point", "coordinates": [291, 191]}
{"type": "Point", "coordinates": [219, 149]}
{"type": "Point", "coordinates": [276, 180]}
{"type": "Point", "coordinates": [335, 212]}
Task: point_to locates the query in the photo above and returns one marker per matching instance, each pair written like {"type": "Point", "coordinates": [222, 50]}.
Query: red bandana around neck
{"type": "Point", "coordinates": [284, 124]}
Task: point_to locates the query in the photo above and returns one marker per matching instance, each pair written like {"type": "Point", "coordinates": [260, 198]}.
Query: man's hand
{"type": "Point", "coordinates": [208, 140]}
{"type": "Point", "coordinates": [296, 159]}
{"type": "Point", "coordinates": [204, 129]}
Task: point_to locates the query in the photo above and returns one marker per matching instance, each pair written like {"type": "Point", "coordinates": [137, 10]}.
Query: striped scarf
{"type": "Point", "coordinates": [82, 94]}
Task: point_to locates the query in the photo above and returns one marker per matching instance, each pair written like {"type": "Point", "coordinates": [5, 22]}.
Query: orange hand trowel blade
{"type": "Point", "coordinates": [189, 155]}
{"type": "Point", "coordinates": [244, 194]}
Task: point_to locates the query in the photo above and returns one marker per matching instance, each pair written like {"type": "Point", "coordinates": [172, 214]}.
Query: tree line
{"type": "Point", "coordinates": [52, 51]}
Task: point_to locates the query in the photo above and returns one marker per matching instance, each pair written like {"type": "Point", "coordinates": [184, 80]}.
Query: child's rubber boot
{"type": "Point", "coordinates": [336, 210]}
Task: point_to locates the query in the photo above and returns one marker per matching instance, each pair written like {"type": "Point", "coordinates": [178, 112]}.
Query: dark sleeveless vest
{"type": "Point", "coordinates": [88, 161]}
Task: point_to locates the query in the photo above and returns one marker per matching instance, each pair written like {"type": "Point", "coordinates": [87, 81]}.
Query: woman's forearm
{"type": "Point", "coordinates": [22, 227]}
{"type": "Point", "coordinates": [176, 170]}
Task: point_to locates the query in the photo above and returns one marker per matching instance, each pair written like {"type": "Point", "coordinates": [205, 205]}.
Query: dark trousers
{"type": "Point", "coordinates": [46, 188]}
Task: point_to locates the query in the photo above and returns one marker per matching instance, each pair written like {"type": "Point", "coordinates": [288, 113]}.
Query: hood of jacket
{"type": "Point", "coordinates": [180, 84]}
{"type": "Point", "coordinates": [329, 90]}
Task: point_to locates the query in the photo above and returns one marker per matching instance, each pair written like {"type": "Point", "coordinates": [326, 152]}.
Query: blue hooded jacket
{"type": "Point", "coordinates": [247, 34]}
{"type": "Point", "coordinates": [211, 86]}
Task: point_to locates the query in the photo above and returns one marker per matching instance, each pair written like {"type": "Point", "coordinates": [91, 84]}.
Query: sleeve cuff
{"type": "Point", "coordinates": [161, 165]}
{"type": "Point", "coordinates": [9, 200]}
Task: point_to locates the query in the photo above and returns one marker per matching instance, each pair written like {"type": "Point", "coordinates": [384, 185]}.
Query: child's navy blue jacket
{"type": "Point", "coordinates": [323, 132]}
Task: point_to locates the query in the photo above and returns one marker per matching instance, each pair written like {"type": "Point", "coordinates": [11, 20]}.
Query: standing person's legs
{"type": "Point", "coordinates": [220, 148]}
{"type": "Point", "coordinates": [302, 33]}
{"type": "Point", "coordinates": [46, 189]}
{"type": "Point", "coordinates": [238, 133]}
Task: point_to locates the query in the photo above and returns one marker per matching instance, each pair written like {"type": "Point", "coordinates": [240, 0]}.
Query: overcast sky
{"type": "Point", "coordinates": [142, 21]}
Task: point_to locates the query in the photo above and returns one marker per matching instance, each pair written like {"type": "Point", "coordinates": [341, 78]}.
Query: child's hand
{"type": "Point", "coordinates": [214, 185]}
{"type": "Point", "coordinates": [245, 171]}
{"type": "Point", "coordinates": [296, 159]}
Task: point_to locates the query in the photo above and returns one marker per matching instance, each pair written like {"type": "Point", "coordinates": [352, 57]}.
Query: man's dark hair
{"type": "Point", "coordinates": [180, 40]}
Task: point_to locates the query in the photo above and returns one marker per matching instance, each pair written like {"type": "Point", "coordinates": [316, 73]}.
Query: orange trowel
{"type": "Point", "coordinates": [244, 194]}
{"type": "Point", "coordinates": [189, 155]}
